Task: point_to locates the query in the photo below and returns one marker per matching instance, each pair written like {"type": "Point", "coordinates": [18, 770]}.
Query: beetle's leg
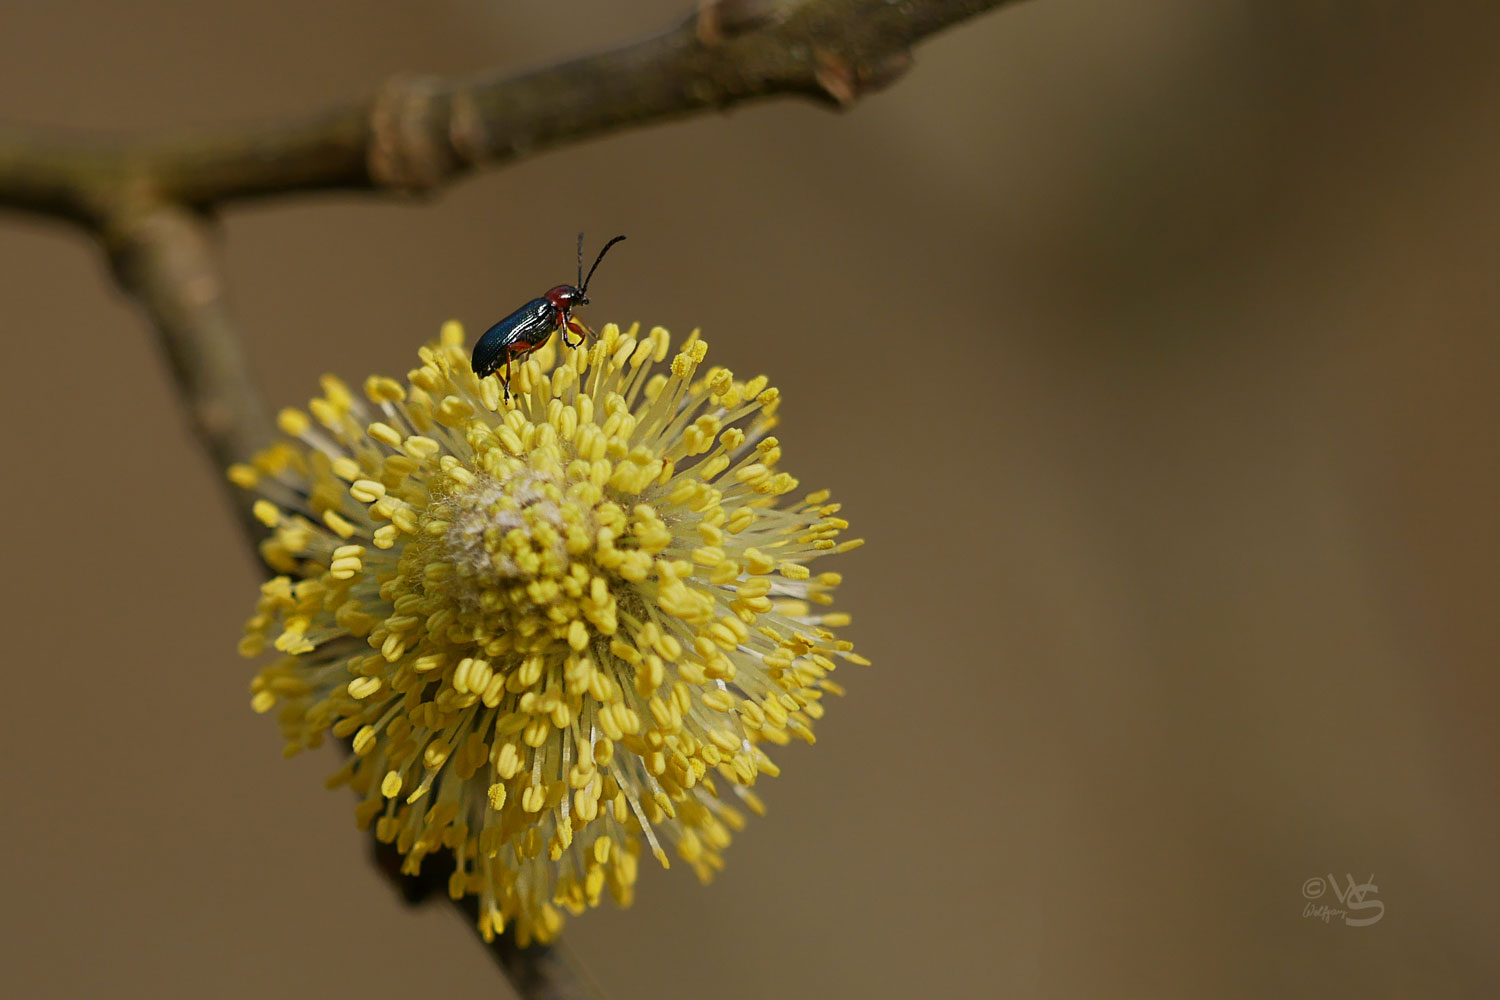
{"type": "Point", "coordinates": [580, 328]}
{"type": "Point", "coordinates": [570, 324]}
{"type": "Point", "coordinates": [505, 379]}
{"type": "Point", "coordinates": [563, 322]}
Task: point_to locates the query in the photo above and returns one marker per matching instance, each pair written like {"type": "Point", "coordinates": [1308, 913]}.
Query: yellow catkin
{"type": "Point", "coordinates": [556, 630]}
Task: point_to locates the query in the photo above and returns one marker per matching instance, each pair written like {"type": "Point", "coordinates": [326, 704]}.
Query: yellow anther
{"type": "Point", "coordinates": [385, 434]}
{"type": "Point", "coordinates": [337, 524]}
{"type": "Point", "coordinates": [293, 423]}
{"type": "Point", "coordinates": [379, 389]}
{"type": "Point", "coordinates": [366, 490]}
{"type": "Point", "coordinates": [363, 687]}
{"type": "Point", "coordinates": [244, 476]}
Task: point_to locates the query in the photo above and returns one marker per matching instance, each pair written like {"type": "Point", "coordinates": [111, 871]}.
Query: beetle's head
{"type": "Point", "coordinates": [565, 297]}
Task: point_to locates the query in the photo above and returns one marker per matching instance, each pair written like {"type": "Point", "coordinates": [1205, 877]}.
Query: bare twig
{"type": "Point", "coordinates": [148, 201]}
{"type": "Point", "coordinates": [417, 133]}
{"type": "Point", "coordinates": [164, 256]}
{"type": "Point", "coordinates": [536, 972]}
{"type": "Point", "coordinates": [539, 971]}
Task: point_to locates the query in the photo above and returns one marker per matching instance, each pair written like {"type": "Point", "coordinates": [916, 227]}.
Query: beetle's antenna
{"type": "Point", "coordinates": [585, 285]}
{"type": "Point", "coordinates": [580, 260]}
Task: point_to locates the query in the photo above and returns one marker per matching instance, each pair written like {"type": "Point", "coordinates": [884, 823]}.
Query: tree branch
{"type": "Point", "coordinates": [535, 972]}
{"type": "Point", "coordinates": [163, 255]}
{"type": "Point", "coordinates": [418, 133]}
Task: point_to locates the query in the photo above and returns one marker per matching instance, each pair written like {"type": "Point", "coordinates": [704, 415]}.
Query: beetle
{"type": "Point", "coordinates": [530, 326]}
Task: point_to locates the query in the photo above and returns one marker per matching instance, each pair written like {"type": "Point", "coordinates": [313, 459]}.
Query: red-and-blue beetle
{"type": "Point", "coordinates": [529, 327]}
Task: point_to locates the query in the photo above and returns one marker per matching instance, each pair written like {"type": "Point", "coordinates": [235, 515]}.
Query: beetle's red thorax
{"type": "Point", "coordinates": [563, 297]}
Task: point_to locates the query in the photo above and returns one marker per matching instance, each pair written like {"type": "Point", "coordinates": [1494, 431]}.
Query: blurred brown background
{"type": "Point", "coordinates": [1151, 345]}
